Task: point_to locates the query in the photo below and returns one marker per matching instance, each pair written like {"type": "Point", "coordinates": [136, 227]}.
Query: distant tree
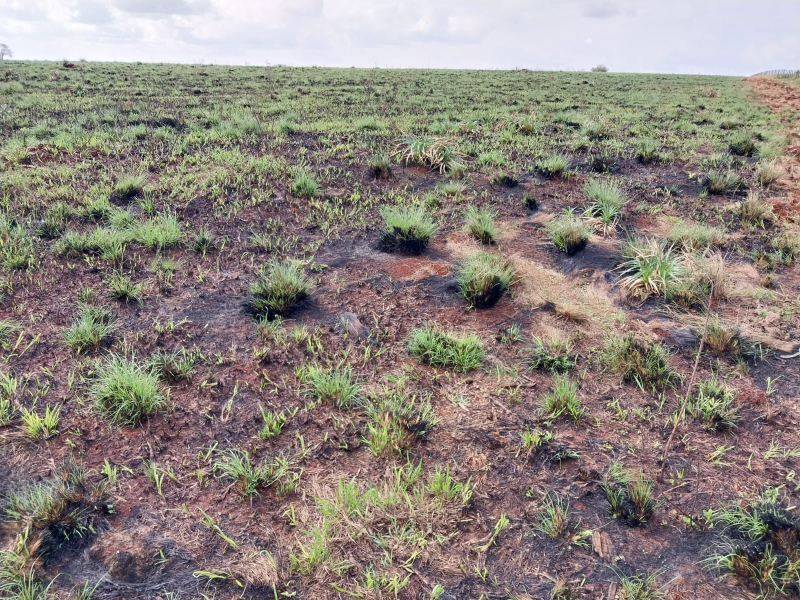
{"type": "Point", "coordinates": [600, 69]}
{"type": "Point", "coordinates": [5, 51]}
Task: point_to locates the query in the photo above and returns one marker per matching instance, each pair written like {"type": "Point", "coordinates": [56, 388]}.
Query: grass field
{"type": "Point", "coordinates": [317, 333]}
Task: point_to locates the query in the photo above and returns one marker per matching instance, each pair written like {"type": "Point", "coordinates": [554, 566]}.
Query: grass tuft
{"type": "Point", "coordinates": [122, 288]}
{"type": "Point", "coordinates": [769, 173]}
{"type": "Point", "coordinates": [438, 348]}
{"type": "Point", "coordinates": [280, 287]}
{"type": "Point", "coordinates": [160, 233]}
{"type": "Point", "coordinates": [128, 187]}
{"type": "Point", "coordinates": [568, 232]}
{"type": "Point", "coordinates": [248, 476]}
{"type": "Point", "coordinates": [647, 151]}
{"type": "Point", "coordinates": [333, 386]}
{"type": "Point", "coordinates": [755, 211]}
{"type": "Point", "coordinates": [125, 391]}
{"type": "Point", "coordinates": [484, 278]}
{"type": "Point", "coordinates": [646, 364]}
{"type": "Point", "coordinates": [631, 499]}
{"type": "Point", "coordinates": [758, 542]}
{"type": "Point", "coordinates": [723, 183]}
{"type": "Point", "coordinates": [553, 166]}
{"type": "Point", "coordinates": [480, 224]}
{"type": "Point", "coordinates": [606, 200]}
{"type": "Point", "coordinates": [304, 185]}
{"type": "Point", "coordinates": [742, 144]}
{"type": "Point", "coordinates": [553, 354]}
{"type": "Point", "coordinates": [89, 329]}
{"type": "Point", "coordinates": [407, 229]}
{"type": "Point", "coordinates": [380, 167]}
{"type": "Point", "coordinates": [438, 154]}
{"type": "Point", "coordinates": [651, 267]}
{"type": "Point", "coordinates": [714, 406]}
{"type": "Point", "coordinates": [563, 398]}
{"type": "Point", "coordinates": [690, 236]}
{"type": "Point", "coordinates": [397, 418]}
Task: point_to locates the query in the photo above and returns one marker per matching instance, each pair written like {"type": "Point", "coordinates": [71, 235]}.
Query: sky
{"type": "Point", "coordinates": [728, 37]}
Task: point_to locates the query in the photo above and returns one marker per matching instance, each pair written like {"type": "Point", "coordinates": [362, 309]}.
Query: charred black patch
{"type": "Point", "coordinates": [394, 242]}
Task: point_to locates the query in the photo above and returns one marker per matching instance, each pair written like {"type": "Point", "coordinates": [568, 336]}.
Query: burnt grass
{"type": "Point", "coordinates": [209, 142]}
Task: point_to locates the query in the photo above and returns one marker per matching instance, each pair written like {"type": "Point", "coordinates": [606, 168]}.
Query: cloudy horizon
{"type": "Point", "coordinates": [737, 37]}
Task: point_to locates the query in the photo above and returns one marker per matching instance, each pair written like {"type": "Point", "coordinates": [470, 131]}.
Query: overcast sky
{"type": "Point", "coordinates": [737, 37]}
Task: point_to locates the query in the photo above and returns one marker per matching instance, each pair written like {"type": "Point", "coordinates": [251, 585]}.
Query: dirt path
{"type": "Point", "coordinates": [784, 98]}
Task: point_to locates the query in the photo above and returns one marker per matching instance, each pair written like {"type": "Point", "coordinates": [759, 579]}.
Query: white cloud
{"type": "Point", "coordinates": [163, 7]}
{"type": "Point", "coordinates": [601, 10]}
{"type": "Point", "coordinates": [714, 36]}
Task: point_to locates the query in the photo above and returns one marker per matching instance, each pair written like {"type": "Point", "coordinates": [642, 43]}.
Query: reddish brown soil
{"type": "Point", "coordinates": [478, 439]}
{"type": "Point", "coordinates": [784, 98]}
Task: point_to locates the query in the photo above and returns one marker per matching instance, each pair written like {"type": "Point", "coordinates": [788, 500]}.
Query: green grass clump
{"type": "Point", "coordinates": [407, 229]}
{"type": "Point", "coordinates": [769, 173]}
{"type": "Point", "coordinates": [451, 188]}
{"type": "Point", "coordinates": [8, 88]}
{"type": "Point", "coordinates": [494, 158]}
{"type": "Point", "coordinates": [121, 219]}
{"type": "Point", "coordinates": [754, 210]}
{"type": "Point", "coordinates": [90, 327]}
{"type": "Point", "coordinates": [650, 266]}
{"type": "Point", "coordinates": [630, 498]}
{"type": "Point", "coordinates": [563, 398]}
{"type": "Point", "coordinates": [121, 287]}
{"type": "Point", "coordinates": [304, 185]}
{"type": "Point", "coordinates": [723, 182]}
{"type": "Point", "coordinates": [288, 123]}
{"type": "Point", "coordinates": [128, 187]}
{"type": "Point", "coordinates": [647, 151]}
{"type": "Point", "coordinates": [369, 123]}
{"type": "Point", "coordinates": [280, 287]}
{"type": "Point", "coordinates": [553, 519]}
{"type": "Point", "coordinates": [380, 167]}
{"type": "Point", "coordinates": [758, 542]}
{"type": "Point", "coordinates": [553, 354]}
{"type": "Point", "coordinates": [9, 330]}
{"type": "Point", "coordinates": [126, 392]}
{"type": "Point", "coordinates": [596, 130]}
{"type": "Point", "coordinates": [742, 144]}
{"type": "Point", "coordinates": [248, 476]}
{"type": "Point", "coordinates": [484, 278]}
{"type": "Point", "coordinates": [177, 365]}
{"type": "Point", "coordinates": [480, 224]}
{"type": "Point", "coordinates": [334, 386]}
{"type": "Point", "coordinates": [714, 406]}
{"type": "Point", "coordinates": [96, 207]}
{"type": "Point", "coordinates": [646, 364]}
{"type": "Point", "coordinates": [55, 220]}
{"type": "Point", "coordinates": [204, 241]}
{"type": "Point", "coordinates": [603, 160]}
{"type": "Point", "coordinates": [397, 418]}
{"type": "Point", "coordinates": [37, 427]}
{"type": "Point", "coordinates": [606, 200]}
{"type": "Point", "coordinates": [690, 236]}
{"type": "Point", "coordinates": [639, 587]}
{"type": "Point", "coordinates": [108, 244]}
{"type": "Point", "coordinates": [569, 232]}
{"type": "Point", "coordinates": [439, 348]}
{"type": "Point", "coordinates": [160, 233]}
{"type": "Point", "coordinates": [437, 153]}
{"type": "Point", "coordinates": [553, 166]}
{"type": "Point", "coordinates": [504, 178]}
{"type": "Point", "coordinates": [16, 248]}
{"type": "Point", "coordinates": [524, 124]}
{"type": "Point", "coordinates": [42, 517]}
